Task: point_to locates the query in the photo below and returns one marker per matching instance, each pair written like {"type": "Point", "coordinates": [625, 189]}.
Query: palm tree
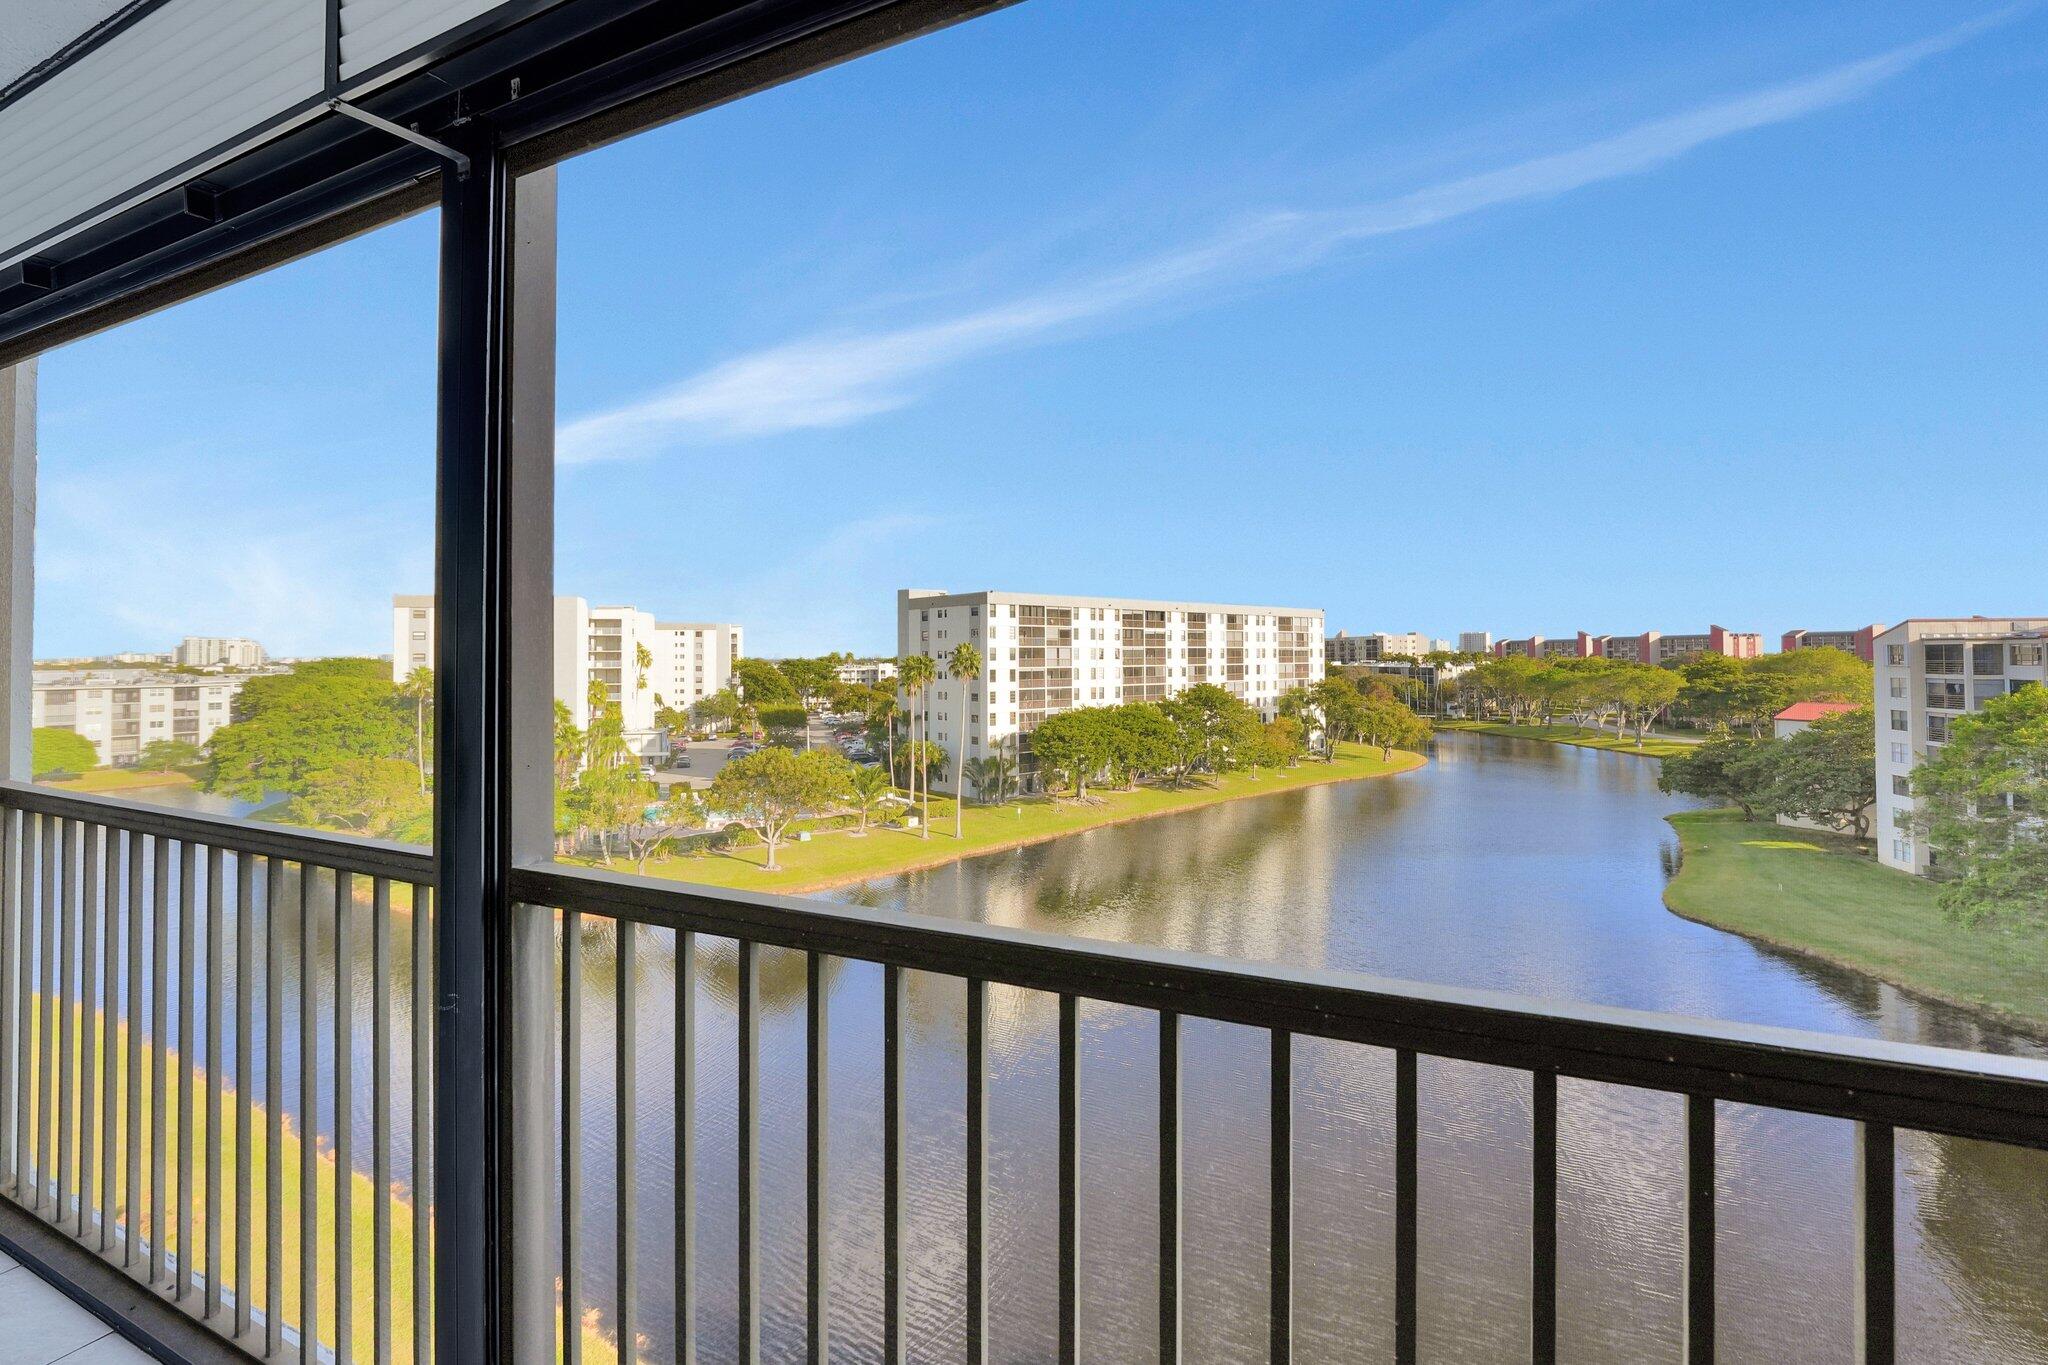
{"type": "Point", "coordinates": [915, 673]}
{"type": "Point", "coordinates": [999, 771]}
{"type": "Point", "coordinates": [418, 688]}
{"type": "Point", "coordinates": [867, 788]}
{"type": "Point", "coordinates": [964, 663]}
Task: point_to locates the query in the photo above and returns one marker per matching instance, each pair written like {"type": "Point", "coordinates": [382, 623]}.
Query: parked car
{"type": "Point", "coordinates": [681, 759]}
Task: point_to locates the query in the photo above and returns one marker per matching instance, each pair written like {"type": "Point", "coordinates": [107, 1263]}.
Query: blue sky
{"type": "Point", "coordinates": [1521, 317]}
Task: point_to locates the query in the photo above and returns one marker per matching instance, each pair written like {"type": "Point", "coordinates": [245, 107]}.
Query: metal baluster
{"type": "Point", "coordinates": [1280, 1238]}
{"type": "Point", "coordinates": [422, 1120]}
{"type": "Point", "coordinates": [344, 1115]}
{"type": "Point", "coordinates": [977, 1172]}
{"type": "Point", "coordinates": [686, 1147]}
{"type": "Point", "coordinates": [1405, 1151]}
{"type": "Point", "coordinates": [572, 1134]}
{"type": "Point", "coordinates": [817, 1060]}
{"type": "Point", "coordinates": [131, 1189]}
{"type": "Point", "coordinates": [92, 1052]}
{"type": "Point", "coordinates": [160, 1028]}
{"type": "Point", "coordinates": [380, 1118]}
{"type": "Point", "coordinates": [188, 1059]}
{"type": "Point", "coordinates": [110, 1063]}
{"type": "Point", "coordinates": [1070, 1181]}
{"type": "Point", "coordinates": [68, 915]}
{"type": "Point", "coordinates": [216, 1128]}
{"type": "Point", "coordinates": [21, 887]}
{"type": "Point", "coordinates": [309, 1125]}
{"type": "Point", "coordinates": [274, 1098]}
{"type": "Point", "coordinates": [895, 1349]}
{"type": "Point", "coordinates": [13, 965]}
{"type": "Point", "coordinates": [1170, 1307]}
{"type": "Point", "coordinates": [747, 1085]}
{"type": "Point", "coordinates": [1699, 1229]}
{"type": "Point", "coordinates": [245, 1085]}
{"type": "Point", "coordinates": [47, 877]}
{"type": "Point", "coordinates": [1876, 1212]}
{"type": "Point", "coordinates": [624, 1061]}
{"type": "Point", "coordinates": [1543, 1218]}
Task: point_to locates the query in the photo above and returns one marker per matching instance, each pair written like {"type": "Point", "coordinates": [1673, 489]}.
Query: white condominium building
{"type": "Point", "coordinates": [684, 661]}
{"type": "Point", "coordinates": [865, 672]}
{"type": "Point", "coordinates": [1928, 672]}
{"type": "Point", "coordinates": [123, 710]}
{"type": "Point", "coordinates": [1346, 648]}
{"type": "Point", "coordinates": [1044, 654]}
{"type": "Point", "coordinates": [216, 651]}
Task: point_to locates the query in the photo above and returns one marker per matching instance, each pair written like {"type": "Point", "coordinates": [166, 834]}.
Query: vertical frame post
{"type": "Point", "coordinates": [17, 563]}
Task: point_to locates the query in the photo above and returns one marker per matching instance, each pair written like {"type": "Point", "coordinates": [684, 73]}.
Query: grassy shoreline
{"type": "Point", "coordinates": [840, 858]}
{"type": "Point", "coordinates": [1579, 736]}
{"type": "Point", "coordinates": [1822, 896]}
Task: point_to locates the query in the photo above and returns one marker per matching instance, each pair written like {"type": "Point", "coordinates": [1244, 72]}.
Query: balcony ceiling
{"type": "Point", "coordinates": [37, 29]}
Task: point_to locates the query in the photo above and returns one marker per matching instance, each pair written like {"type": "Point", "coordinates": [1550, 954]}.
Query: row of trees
{"type": "Point", "coordinates": [1709, 689]}
{"type": "Point", "coordinates": [1825, 773]}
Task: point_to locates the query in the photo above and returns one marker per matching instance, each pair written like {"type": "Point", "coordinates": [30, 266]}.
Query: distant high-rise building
{"type": "Point", "coordinates": [219, 651]}
{"type": "Point", "coordinates": [1346, 648]}
{"type": "Point", "coordinates": [687, 661]}
{"type": "Point", "coordinates": [1862, 642]}
{"type": "Point", "coordinates": [1475, 642]}
{"type": "Point", "coordinates": [124, 710]}
{"type": "Point", "coordinates": [1045, 653]}
{"type": "Point", "coordinates": [1651, 647]}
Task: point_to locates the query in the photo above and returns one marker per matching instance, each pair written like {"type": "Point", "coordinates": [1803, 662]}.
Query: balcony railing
{"type": "Point", "coordinates": [162, 964]}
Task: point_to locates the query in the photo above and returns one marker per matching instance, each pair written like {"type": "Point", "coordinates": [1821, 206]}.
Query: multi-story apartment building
{"type": "Point", "coordinates": [1862, 642]}
{"type": "Point", "coordinates": [1045, 654]}
{"type": "Point", "coordinates": [219, 651]}
{"type": "Point", "coordinates": [123, 710]}
{"type": "Point", "coordinates": [1346, 648]}
{"type": "Point", "coordinates": [1928, 672]}
{"type": "Point", "coordinates": [644, 664]}
{"type": "Point", "coordinates": [1475, 642]}
{"type": "Point", "coordinates": [866, 672]}
{"type": "Point", "coordinates": [1651, 647]}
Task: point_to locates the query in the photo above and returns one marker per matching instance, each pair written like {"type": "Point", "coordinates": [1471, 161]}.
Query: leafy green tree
{"type": "Point", "coordinates": [866, 791]}
{"type": "Point", "coordinates": [1982, 799]}
{"type": "Point", "coordinates": [771, 790]}
{"type": "Point", "coordinates": [169, 755]}
{"type": "Point", "coordinates": [1642, 692]}
{"type": "Point", "coordinates": [1828, 772]}
{"type": "Point", "coordinates": [1809, 675]}
{"type": "Point", "coordinates": [54, 750]}
{"type": "Point", "coordinates": [880, 713]}
{"type": "Point", "coordinates": [964, 665]}
{"type": "Point", "coordinates": [1075, 744]}
{"type": "Point", "coordinates": [789, 723]}
{"type": "Point", "coordinates": [1736, 770]}
{"type": "Point", "coordinates": [1140, 741]}
{"type": "Point", "coordinates": [372, 797]}
{"type": "Point", "coordinates": [661, 822]}
{"type": "Point", "coordinates": [1726, 691]}
{"type": "Point", "coordinates": [1391, 726]}
{"type": "Point", "coordinates": [289, 725]}
{"type": "Point", "coordinates": [809, 679]}
{"type": "Point", "coordinates": [720, 709]}
{"type": "Point", "coordinates": [418, 689]}
{"type": "Point", "coordinates": [610, 793]}
{"type": "Point", "coordinates": [760, 681]}
{"type": "Point", "coordinates": [1207, 722]}
{"type": "Point", "coordinates": [1281, 743]}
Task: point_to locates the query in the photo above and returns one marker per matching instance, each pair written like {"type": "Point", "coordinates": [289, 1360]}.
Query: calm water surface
{"type": "Point", "coordinates": [1507, 864]}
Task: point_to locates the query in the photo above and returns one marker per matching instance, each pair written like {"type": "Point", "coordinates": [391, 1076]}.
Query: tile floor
{"type": "Point", "coordinates": [39, 1325]}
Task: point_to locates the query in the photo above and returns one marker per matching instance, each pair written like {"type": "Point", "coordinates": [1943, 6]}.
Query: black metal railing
{"type": "Point", "coordinates": [179, 1031]}
{"type": "Point", "coordinates": [1880, 1086]}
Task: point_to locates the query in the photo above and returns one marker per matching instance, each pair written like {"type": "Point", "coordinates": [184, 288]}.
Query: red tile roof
{"type": "Point", "coordinates": [1814, 710]}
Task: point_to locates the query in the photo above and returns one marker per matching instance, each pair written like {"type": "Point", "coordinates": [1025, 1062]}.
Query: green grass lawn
{"type": "Point", "coordinates": [1825, 895]}
{"type": "Point", "coordinates": [121, 780]}
{"type": "Point", "coordinates": [835, 857]}
{"type": "Point", "coordinates": [1585, 737]}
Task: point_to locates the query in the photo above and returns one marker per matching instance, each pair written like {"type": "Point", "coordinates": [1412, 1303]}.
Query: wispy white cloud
{"type": "Point", "coordinates": [832, 380]}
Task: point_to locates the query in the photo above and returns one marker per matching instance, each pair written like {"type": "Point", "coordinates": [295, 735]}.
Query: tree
{"type": "Point", "coordinates": [809, 679]}
{"type": "Point", "coordinates": [1075, 744]}
{"type": "Point", "coordinates": [1643, 691]}
{"type": "Point", "coordinates": [658, 823]}
{"type": "Point", "coordinates": [1732, 769]}
{"type": "Point", "coordinates": [373, 797]}
{"type": "Point", "coordinates": [720, 709]}
{"type": "Point", "coordinates": [1828, 772]}
{"type": "Point", "coordinates": [964, 663]}
{"type": "Point", "coordinates": [1809, 675]}
{"type": "Point", "coordinates": [418, 688]}
{"type": "Point", "coordinates": [881, 713]}
{"type": "Point", "coordinates": [915, 674]}
{"type": "Point", "coordinates": [1139, 739]}
{"type": "Point", "coordinates": [169, 755]}
{"type": "Point", "coordinates": [610, 793]}
{"type": "Point", "coordinates": [1981, 801]}
{"type": "Point", "coordinates": [54, 750]}
{"type": "Point", "coordinates": [289, 725]}
{"type": "Point", "coordinates": [1281, 742]}
{"type": "Point", "coordinates": [866, 790]}
{"type": "Point", "coordinates": [1206, 719]}
{"type": "Point", "coordinates": [760, 681]}
{"type": "Point", "coordinates": [1391, 726]}
{"type": "Point", "coordinates": [1726, 691]}
{"type": "Point", "coordinates": [785, 720]}
{"type": "Point", "coordinates": [770, 790]}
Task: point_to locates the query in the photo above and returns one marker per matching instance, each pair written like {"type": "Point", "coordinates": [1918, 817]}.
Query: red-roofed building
{"type": "Point", "coordinates": [1801, 714]}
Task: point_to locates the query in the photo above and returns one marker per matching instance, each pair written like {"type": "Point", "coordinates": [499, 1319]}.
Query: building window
{"type": "Point", "coordinates": [1987, 661]}
{"type": "Point", "coordinates": [1944, 696]}
{"type": "Point", "coordinates": [1937, 729]}
{"type": "Point", "coordinates": [1898, 689]}
{"type": "Point", "coordinates": [1898, 751]}
{"type": "Point", "coordinates": [1902, 850]}
{"type": "Point", "coordinates": [1944, 658]}
{"type": "Point", "coordinates": [1895, 654]}
{"type": "Point", "coordinates": [1902, 785]}
{"type": "Point", "coordinates": [1898, 720]}
{"type": "Point", "coordinates": [2025, 656]}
